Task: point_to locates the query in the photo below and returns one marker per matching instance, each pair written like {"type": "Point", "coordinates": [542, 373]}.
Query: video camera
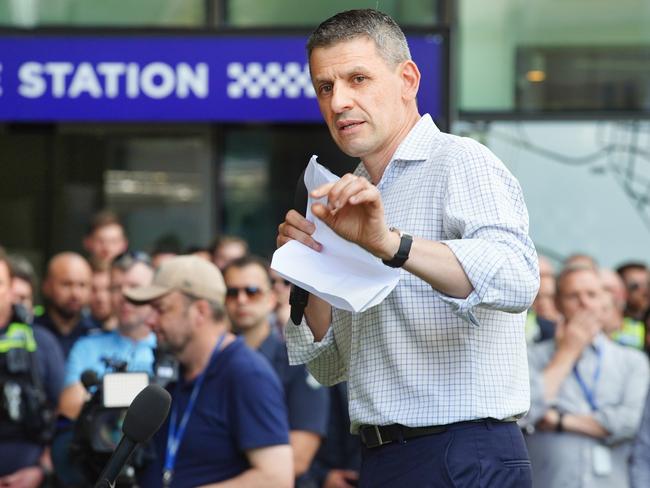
{"type": "Point", "coordinates": [99, 426]}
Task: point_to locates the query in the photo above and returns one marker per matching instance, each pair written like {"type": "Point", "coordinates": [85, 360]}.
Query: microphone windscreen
{"type": "Point", "coordinates": [147, 413]}
{"type": "Point", "coordinates": [89, 378]}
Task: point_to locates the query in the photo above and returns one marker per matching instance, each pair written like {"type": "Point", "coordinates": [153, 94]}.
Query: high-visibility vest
{"type": "Point", "coordinates": [631, 333]}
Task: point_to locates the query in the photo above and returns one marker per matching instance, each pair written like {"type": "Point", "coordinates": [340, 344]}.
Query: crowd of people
{"type": "Point", "coordinates": [589, 375]}
{"type": "Point", "coordinates": [254, 415]}
{"type": "Point", "coordinates": [439, 391]}
{"type": "Point", "coordinates": [245, 414]}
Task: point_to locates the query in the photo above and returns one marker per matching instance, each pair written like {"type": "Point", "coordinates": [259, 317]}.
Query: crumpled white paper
{"type": "Point", "coordinates": [345, 275]}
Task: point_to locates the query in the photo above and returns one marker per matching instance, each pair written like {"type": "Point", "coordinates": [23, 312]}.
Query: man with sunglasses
{"type": "Point", "coordinates": [250, 301]}
{"type": "Point", "coordinates": [228, 420]}
{"type": "Point", "coordinates": [132, 342]}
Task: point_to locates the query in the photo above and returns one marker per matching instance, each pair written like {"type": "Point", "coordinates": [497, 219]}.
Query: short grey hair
{"type": "Point", "coordinates": [352, 24]}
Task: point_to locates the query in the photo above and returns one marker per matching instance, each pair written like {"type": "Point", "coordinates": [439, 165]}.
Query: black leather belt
{"type": "Point", "coordinates": [378, 435]}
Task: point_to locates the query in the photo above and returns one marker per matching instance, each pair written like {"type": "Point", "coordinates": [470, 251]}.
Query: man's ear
{"type": "Point", "coordinates": [410, 75]}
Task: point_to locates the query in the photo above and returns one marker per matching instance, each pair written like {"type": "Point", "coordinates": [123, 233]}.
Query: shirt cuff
{"type": "Point", "coordinates": [480, 262]}
{"type": "Point", "coordinates": [301, 345]}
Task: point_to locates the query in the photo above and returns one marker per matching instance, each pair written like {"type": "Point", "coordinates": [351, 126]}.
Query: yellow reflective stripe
{"type": "Point", "coordinates": [18, 336]}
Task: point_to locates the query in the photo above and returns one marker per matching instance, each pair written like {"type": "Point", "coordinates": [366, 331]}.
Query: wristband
{"type": "Point", "coordinates": [402, 254]}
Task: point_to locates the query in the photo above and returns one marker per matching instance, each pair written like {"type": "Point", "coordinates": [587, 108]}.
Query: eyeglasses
{"type": "Point", "coordinates": [251, 291]}
{"type": "Point", "coordinates": [280, 280]}
{"type": "Point", "coordinates": [129, 258]}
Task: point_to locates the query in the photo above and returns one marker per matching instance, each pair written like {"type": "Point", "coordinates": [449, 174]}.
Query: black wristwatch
{"type": "Point", "coordinates": [560, 426]}
{"type": "Point", "coordinates": [402, 254]}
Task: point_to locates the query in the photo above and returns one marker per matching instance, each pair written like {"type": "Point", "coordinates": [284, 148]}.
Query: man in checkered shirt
{"type": "Point", "coordinates": [437, 372]}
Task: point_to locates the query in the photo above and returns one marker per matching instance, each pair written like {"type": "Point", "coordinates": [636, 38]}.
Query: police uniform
{"type": "Point", "coordinates": [43, 376]}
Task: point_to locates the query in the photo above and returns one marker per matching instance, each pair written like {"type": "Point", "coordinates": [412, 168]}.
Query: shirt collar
{"type": "Point", "coordinates": [415, 147]}
{"type": "Point", "coordinates": [417, 144]}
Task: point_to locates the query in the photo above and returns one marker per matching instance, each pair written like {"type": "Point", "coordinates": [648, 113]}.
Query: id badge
{"type": "Point", "coordinates": [602, 460]}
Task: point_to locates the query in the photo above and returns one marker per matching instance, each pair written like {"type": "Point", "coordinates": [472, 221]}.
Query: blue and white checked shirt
{"type": "Point", "coordinates": [422, 358]}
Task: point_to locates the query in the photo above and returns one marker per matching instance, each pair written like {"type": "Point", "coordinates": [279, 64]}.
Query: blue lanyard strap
{"type": "Point", "coordinates": [590, 393]}
{"type": "Point", "coordinates": [177, 431]}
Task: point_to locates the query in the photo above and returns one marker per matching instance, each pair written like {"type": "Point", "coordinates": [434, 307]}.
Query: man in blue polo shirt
{"type": "Point", "coordinates": [132, 342]}
{"type": "Point", "coordinates": [228, 420]}
{"type": "Point", "coordinates": [249, 302]}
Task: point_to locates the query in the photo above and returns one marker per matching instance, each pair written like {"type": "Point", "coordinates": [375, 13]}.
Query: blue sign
{"type": "Point", "coordinates": [157, 79]}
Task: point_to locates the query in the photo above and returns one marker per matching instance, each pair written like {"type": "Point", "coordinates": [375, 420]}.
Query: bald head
{"type": "Point", "coordinates": [67, 284]}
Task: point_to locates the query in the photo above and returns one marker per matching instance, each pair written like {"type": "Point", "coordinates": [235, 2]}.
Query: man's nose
{"type": "Point", "coordinates": [341, 100]}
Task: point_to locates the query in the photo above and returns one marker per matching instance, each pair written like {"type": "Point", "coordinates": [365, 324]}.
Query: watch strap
{"type": "Point", "coordinates": [402, 254]}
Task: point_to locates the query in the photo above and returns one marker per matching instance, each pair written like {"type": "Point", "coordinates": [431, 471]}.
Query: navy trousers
{"type": "Point", "coordinates": [468, 455]}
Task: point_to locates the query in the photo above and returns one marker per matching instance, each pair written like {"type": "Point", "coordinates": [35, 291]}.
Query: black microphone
{"type": "Point", "coordinates": [89, 379]}
{"type": "Point", "coordinates": [144, 417]}
{"type": "Point", "coordinates": [299, 297]}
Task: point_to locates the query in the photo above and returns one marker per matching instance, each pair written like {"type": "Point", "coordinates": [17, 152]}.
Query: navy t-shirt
{"type": "Point", "coordinates": [239, 407]}
{"type": "Point", "coordinates": [85, 326]}
{"type": "Point", "coordinates": [307, 400]}
{"type": "Point", "coordinates": [17, 454]}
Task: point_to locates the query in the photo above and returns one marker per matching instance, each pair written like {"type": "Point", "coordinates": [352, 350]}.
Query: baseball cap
{"type": "Point", "coordinates": [188, 274]}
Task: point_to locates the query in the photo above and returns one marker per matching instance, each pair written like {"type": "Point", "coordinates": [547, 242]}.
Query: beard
{"type": "Point", "coordinates": [67, 313]}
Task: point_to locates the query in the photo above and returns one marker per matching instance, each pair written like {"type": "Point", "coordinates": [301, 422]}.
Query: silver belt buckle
{"type": "Point", "coordinates": [378, 434]}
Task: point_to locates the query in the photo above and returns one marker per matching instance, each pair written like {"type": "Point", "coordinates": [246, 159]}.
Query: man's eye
{"type": "Point", "coordinates": [325, 88]}
{"type": "Point", "coordinates": [359, 79]}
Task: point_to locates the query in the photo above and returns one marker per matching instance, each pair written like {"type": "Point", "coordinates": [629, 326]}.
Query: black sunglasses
{"type": "Point", "coordinates": [251, 291]}
{"type": "Point", "coordinates": [129, 258]}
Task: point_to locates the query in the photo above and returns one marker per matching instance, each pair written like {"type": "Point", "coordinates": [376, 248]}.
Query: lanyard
{"type": "Point", "coordinates": [590, 393]}
{"type": "Point", "coordinates": [177, 431]}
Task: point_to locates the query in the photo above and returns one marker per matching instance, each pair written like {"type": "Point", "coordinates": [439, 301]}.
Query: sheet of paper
{"type": "Point", "coordinates": [343, 274]}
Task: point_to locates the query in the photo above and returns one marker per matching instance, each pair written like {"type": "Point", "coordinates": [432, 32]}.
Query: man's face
{"type": "Point", "coordinates": [171, 321]}
{"type": "Point", "coordinates": [22, 293]}
{"type": "Point", "coordinates": [130, 316]}
{"type": "Point", "coordinates": [68, 286]}
{"type": "Point", "coordinates": [281, 287]}
{"type": "Point", "coordinates": [360, 97]}
{"type": "Point", "coordinates": [227, 253]}
{"type": "Point", "coordinates": [249, 298]}
{"type": "Point", "coordinates": [106, 243]}
{"type": "Point", "coordinates": [5, 294]}
{"type": "Point", "coordinates": [100, 295]}
{"type": "Point", "coordinates": [636, 282]}
{"type": "Point", "coordinates": [581, 290]}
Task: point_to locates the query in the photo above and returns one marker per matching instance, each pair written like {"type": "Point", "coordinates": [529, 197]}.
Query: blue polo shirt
{"type": "Point", "coordinates": [88, 352]}
{"type": "Point", "coordinates": [307, 400]}
{"type": "Point", "coordinates": [239, 407]}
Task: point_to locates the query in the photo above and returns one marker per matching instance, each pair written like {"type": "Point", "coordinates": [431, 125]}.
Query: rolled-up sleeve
{"type": "Point", "coordinates": [486, 220]}
{"type": "Point", "coordinates": [323, 358]}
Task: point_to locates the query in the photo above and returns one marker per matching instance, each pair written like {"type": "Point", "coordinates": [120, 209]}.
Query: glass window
{"type": "Point", "coordinates": [586, 183]}
{"type": "Point", "coordinates": [541, 55]}
{"type": "Point", "coordinates": [260, 170]}
{"type": "Point", "coordinates": [309, 13]}
{"type": "Point", "coordinates": [165, 13]}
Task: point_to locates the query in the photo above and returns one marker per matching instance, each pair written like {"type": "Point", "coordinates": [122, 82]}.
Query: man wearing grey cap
{"type": "Point", "coordinates": [228, 420]}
